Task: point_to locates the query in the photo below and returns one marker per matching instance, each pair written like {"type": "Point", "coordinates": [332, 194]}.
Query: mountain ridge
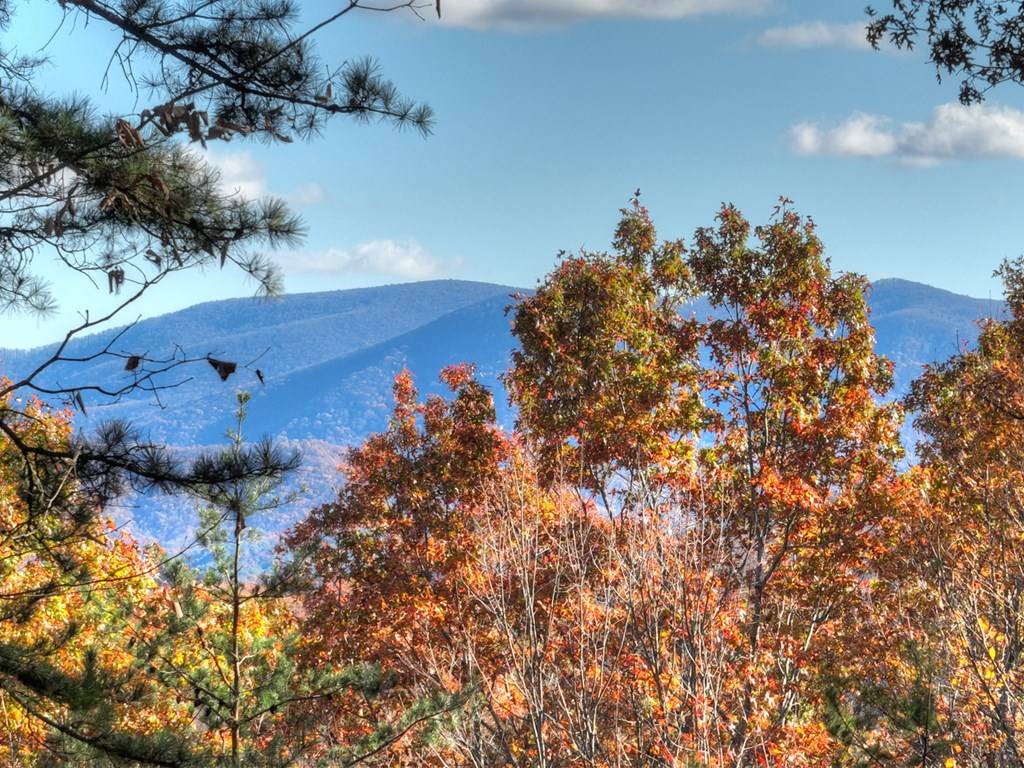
{"type": "Point", "coordinates": [306, 340]}
{"type": "Point", "coordinates": [330, 358]}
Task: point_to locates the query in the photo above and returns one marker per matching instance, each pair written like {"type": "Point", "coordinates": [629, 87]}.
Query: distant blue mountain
{"type": "Point", "coordinates": [917, 324]}
{"type": "Point", "coordinates": [350, 395]}
{"type": "Point", "coordinates": [329, 360]}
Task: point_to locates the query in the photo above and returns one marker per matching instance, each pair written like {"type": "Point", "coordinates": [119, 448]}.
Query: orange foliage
{"type": "Point", "coordinates": [67, 581]}
{"type": "Point", "coordinates": [698, 547]}
{"type": "Point", "coordinates": [668, 562]}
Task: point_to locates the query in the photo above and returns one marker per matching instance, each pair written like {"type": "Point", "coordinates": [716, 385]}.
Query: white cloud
{"type": "Point", "coordinates": [526, 14]}
{"type": "Point", "coordinates": [817, 34]}
{"type": "Point", "coordinates": [403, 259]}
{"type": "Point", "coordinates": [954, 131]}
{"type": "Point", "coordinates": [307, 194]}
{"type": "Point", "coordinates": [242, 174]}
{"type": "Point", "coordinates": [860, 135]}
{"type": "Point", "coordinates": [239, 174]}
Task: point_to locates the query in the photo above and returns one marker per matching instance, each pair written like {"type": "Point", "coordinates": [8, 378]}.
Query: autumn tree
{"type": "Point", "coordinates": [68, 584]}
{"type": "Point", "coordinates": [967, 548]}
{"type": "Point", "coordinates": [605, 380]}
{"type": "Point", "coordinates": [780, 430]}
{"type": "Point", "coordinates": [385, 558]}
{"type": "Point", "coordinates": [804, 451]}
{"type": "Point", "coordinates": [667, 563]}
{"type": "Point", "coordinates": [470, 587]}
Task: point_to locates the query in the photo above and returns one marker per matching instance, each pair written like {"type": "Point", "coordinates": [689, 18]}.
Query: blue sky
{"type": "Point", "coordinates": [551, 112]}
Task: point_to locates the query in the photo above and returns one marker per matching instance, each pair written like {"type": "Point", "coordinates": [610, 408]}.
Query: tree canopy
{"type": "Point", "coordinates": [700, 544]}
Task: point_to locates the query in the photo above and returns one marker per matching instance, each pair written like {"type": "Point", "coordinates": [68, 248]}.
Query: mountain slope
{"type": "Point", "coordinates": [917, 324]}
{"type": "Point", "coordinates": [329, 358]}
{"type": "Point", "coordinates": [283, 337]}
{"type": "Point", "coordinates": [348, 396]}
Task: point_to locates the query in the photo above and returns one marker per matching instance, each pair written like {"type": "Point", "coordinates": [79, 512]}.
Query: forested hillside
{"type": "Point", "coordinates": [338, 348]}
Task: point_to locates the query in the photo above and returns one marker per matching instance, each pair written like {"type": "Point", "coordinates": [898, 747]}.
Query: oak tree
{"type": "Point", "coordinates": [981, 41]}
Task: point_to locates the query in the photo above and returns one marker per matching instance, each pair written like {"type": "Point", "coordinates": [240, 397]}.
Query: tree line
{"type": "Point", "coordinates": [701, 544]}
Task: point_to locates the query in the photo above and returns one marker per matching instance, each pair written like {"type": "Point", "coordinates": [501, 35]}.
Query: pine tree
{"type": "Point", "coordinates": [126, 202]}
{"type": "Point", "coordinates": [123, 201]}
{"type": "Point", "coordinates": [224, 632]}
{"type": "Point", "coordinates": [227, 633]}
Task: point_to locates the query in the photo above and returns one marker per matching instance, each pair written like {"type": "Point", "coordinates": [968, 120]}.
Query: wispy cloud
{"type": "Point", "coordinates": [403, 259]}
{"type": "Point", "coordinates": [242, 174]}
{"type": "Point", "coordinates": [239, 174]}
{"type": "Point", "coordinates": [817, 34]}
{"type": "Point", "coordinates": [529, 14]}
{"type": "Point", "coordinates": [954, 131]}
{"type": "Point", "coordinates": [310, 193]}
